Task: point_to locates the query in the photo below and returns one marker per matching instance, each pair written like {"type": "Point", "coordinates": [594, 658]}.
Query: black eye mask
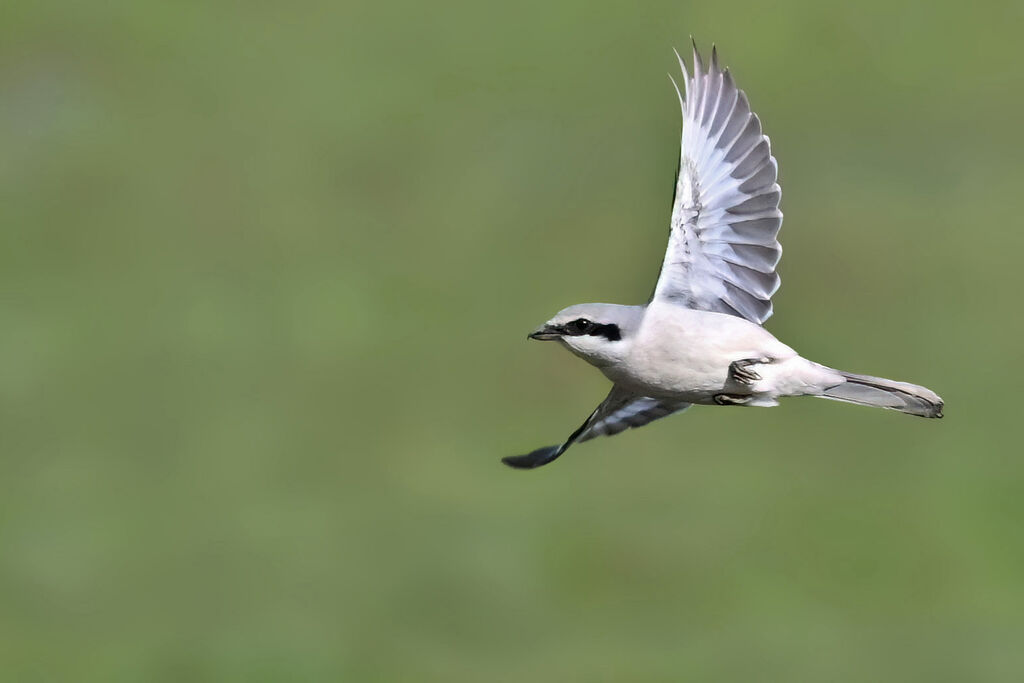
{"type": "Point", "coordinates": [582, 326]}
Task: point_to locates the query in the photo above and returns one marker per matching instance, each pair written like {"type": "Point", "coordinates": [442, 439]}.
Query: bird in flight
{"type": "Point", "coordinates": [699, 340]}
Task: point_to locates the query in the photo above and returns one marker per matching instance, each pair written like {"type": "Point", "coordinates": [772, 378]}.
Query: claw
{"type": "Point", "coordinates": [732, 399]}
{"type": "Point", "coordinates": [739, 370]}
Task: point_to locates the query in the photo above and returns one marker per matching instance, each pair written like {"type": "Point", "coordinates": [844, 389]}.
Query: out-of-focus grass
{"type": "Point", "coordinates": [266, 273]}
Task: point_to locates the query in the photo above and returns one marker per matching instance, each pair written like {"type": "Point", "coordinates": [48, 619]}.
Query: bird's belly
{"type": "Point", "coordinates": [679, 372]}
{"type": "Point", "coordinates": [687, 357]}
{"type": "Point", "coordinates": [693, 380]}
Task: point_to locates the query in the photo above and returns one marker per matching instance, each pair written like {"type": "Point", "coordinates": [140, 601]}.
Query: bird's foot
{"type": "Point", "coordinates": [732, 399]}
{"type": "Point", "coordinates": [740, 372]}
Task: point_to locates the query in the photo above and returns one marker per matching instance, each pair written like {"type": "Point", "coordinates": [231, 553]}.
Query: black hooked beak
{"type": "Point", "coordinates": [546, 333]}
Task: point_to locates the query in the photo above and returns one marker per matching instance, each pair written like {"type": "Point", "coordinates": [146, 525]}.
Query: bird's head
{"type": "Point", "coordinates": [600, 334]}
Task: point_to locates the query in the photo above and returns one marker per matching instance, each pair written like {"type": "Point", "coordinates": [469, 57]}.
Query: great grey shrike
{"type": "Point", "coordinates": [699, 340]}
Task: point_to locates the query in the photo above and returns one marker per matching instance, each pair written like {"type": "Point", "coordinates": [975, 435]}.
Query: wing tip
{"type": "Point", "coordinates": [698, 63]}
{"type": "Point", "coordinates": [682, 102]}
{"type": "Point", "coordinates": [686, 73]}
{"type": "Point", "coordinates": [533, 459]}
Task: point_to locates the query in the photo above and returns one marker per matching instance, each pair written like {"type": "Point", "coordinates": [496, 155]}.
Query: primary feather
{"type": "Point", "coordinates": [723, 247]}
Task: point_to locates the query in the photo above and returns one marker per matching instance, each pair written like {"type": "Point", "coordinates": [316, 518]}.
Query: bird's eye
{"type": "Point", "coordinates": [579, 326]}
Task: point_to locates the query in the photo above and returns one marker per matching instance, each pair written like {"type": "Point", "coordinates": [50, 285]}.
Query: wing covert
{"type": "Point", "coordinates": [723, 248]}
{"type": "Point", "coordinates": [628, 412]}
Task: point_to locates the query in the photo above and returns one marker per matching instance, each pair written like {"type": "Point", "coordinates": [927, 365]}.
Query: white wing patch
{"type": "Point", "coordinates": [722, 248]}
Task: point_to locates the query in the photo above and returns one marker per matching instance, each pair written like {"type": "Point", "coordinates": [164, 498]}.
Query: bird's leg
{"type": "Point", "coordinates": [740, 372]}
{"type": "Point", "coordinates": [732, 399]}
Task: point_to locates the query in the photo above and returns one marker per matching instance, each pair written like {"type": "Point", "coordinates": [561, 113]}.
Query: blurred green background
{"type": "Point", "coordinates": [267, 269]}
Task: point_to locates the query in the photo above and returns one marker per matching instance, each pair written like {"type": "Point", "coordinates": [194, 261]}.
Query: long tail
{"type": "Point", "coordinates": [884, 393]}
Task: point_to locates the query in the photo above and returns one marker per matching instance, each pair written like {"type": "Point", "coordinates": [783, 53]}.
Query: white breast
{"type": "Point", "coordinates": [686, 354]}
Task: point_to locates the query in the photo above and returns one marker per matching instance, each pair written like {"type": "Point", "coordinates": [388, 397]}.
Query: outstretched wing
{"type": "Point", "coordinates": [722, 248]}
{"type": "Point", "coordinates": [619, 411]}
{"type": "Point", "coordinates": [635, 411]}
